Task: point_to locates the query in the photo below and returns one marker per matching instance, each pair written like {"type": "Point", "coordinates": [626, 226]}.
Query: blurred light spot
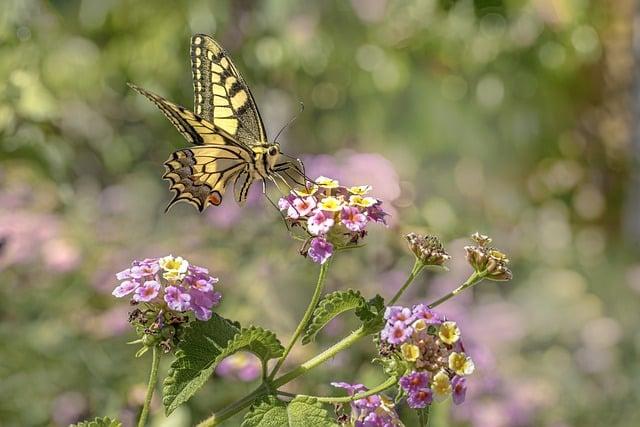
{"type": "Point", "coordinates": [370, 10]}
{"type": "Point", "coordinates": [589, 202]}
{"type": "Point", "coordinates": [389, 76]}
{"type": "Point", "coordinates": [552, 55]}
{"type": "Point", "coordinates": [201, 20]}
{"type": "Point", "coordinates": [553, 225]}
{"type": "Point", "coordinates": [369, 56]}
{"type": "Point", "coordinates": [585, 40]}
{"type": "Point", "coordinates": [591, 244]}
{"type": "Point", "coordinates": [325, 95]}
{"type": "Point", "coordinates": [453, 87]}
{"type": "Point", "coordinates": [269, 52]}
{"type": "Point", "coordinates": [439, 215]}
{"type": "Point", "coordinates": [593, 361]}
{"type": "Point", "coordinates": [525, 30]}
{"type": "Point", "coordinates": [601, 332]}
{"type": "Point", "coordinates": [92, 14]}
{"type": "Point", "coordinates": [469, 177]}
{"type": "Point", "coordinates": [492, 25]}
{"type": "Point", "coordinates": [633, 277]}
{"type": "Point", "coordinates": [490, 91]}
{"type": "Point", "coordinates": [23, 33]}
{"type": "Point", "coordinates": [68, 408]}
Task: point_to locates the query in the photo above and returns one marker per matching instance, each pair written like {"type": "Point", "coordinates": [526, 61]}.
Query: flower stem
{"type": "Point", "coordinates": [474, 279]}
{"type": "Point", "coordinates": [234, 408]}
{"type": "Point", "coordinates": [390, 382]}
{"type": "Point", "coordinates": [415, 271]}
{"type": "Point", "coordinates": [317, 293]}
{"type": "Point", "coordinates": [423, 416]}
{"type": "Point", "coordinates": [246, 401]}
{"type": "Point", "coordinates": [153, 380]}
{"type": "Point", "coordinates": [341, 345]}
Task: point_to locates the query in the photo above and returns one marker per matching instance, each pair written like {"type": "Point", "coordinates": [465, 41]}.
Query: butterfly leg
{"type": "Point", "coordinates": [264, 192]}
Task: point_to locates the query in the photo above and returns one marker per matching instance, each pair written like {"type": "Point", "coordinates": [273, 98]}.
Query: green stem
{"type": "Point", "coordinates": [305, 318]}
{"type": "Point", "coordinates": [423, 416]}
{"type": "Point", "coordinates": [234, 408]}
{"type": "Point", "coordinates": [245, 402]}
{"type": "Point", "coordinates": [341, 345]}
{"type": "Point", "coordinates": [474, 279]}
{"type": "Point", "coordinates": [153, 380]}
{"type": "Point", "coordinates": [415, 271]}
{"type": "Point", "coordinates": [390, 382]}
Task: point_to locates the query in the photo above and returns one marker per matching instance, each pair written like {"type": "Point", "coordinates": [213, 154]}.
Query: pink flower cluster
{"type": "Point", "coordinates": [433, 351]}
{"type": "Point", "coordinates": [333, 215]}
{"type": "Point", "coordinates": [169, 283]}
{"type": "Point", "coordinates": [376, 410]}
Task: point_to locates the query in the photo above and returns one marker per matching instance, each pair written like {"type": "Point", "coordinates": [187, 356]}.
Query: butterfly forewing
{"type": "Point", "coordinates": [220, 94]}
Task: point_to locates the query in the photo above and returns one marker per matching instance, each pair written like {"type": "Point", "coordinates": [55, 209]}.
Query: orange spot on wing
{"type": "Point", "coordinates": [215, 198]}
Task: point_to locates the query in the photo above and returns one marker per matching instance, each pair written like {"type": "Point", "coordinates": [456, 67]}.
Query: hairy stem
{"type": "Point", "coordinates": [474, 279]}
{"type": "Point", "coordinates": [153, 380]}
{"type": "Point", "coordinates": [390, 382]}
{"type": "Point", "coordinates": [341, 345]}
{"type": "Point", "coordinates": [415, 271]}
{"type": "Point", "coordinates": [317, 293]}
{"type": "Point", "coordinates": [234, 408]}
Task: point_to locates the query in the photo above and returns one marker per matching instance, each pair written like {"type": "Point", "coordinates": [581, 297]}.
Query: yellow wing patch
{"type": "Point", "coordinates": [221, 95]}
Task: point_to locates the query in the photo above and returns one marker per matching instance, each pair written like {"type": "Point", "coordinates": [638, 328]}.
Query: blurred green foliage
{"type": "Point", "coordinates": [506, 116]}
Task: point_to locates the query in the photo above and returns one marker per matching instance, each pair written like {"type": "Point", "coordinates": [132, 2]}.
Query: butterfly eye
{"type": "Point", "coordinates": [273, 151]}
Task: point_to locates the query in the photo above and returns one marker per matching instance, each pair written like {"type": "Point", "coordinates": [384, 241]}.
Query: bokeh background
{"type": "Point", "coordinates": [512, 117]}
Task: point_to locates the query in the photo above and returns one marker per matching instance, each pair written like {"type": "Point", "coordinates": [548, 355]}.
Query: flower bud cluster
{"type": "Point", "coordinates": [333, 215]}
{"type": "Point", "coordinates": [428, 249]}
{"type": "Point", "coordinates": [370, 411]}
{"type": "Point", "coordinates": [432, 349]}
{"type": "Point", "coordinates": [486, 260]}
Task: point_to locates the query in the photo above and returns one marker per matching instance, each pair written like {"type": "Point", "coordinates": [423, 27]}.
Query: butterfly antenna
{"type": "Point", "coordinates": [290, 122]}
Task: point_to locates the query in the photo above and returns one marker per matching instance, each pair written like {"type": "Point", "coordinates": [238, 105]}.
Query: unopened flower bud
{"type": "Point", "coordinates": [428, 249]}
{"type": "Point", "coordinates": [486, 260]}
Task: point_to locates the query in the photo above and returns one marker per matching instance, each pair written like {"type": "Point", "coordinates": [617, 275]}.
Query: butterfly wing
{"type": "Point", "coordinates": [200, 175]}
{"type": "Point", "coordinates": [220, 94]}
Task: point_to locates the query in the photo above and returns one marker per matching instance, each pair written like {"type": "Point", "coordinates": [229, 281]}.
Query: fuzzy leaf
{"type": "Point", "coordinates": [99, 422]}
{"type": "Point", "coordinates": [300, 412]}
{"type": "Point", "coordinates": [330, 306]}
{"type": "Point", "coordinates": [270, 412]}
{"type": "Point", "coordinates": [372, 314]}
{"type": "Point", "coordinates": [204, 346]}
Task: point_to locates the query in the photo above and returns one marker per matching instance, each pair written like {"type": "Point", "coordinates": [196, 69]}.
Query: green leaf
{"type": "Point", "coordinates": [99, 422]}
{"type": "Point", "coordinates": [300, 412]}
{"type": "Point", "coordinates": [308, 412]}
{"type": "Point", "coordinates": [204, 346]}
{"type": "Point", "coordinates": [372, 314]}
{"type": "Point", "coordinates": [329, 307]}
{"type": "Point", "coordinates": [270, 412]}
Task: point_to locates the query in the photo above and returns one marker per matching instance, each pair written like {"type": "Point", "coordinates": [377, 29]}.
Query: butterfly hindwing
{"type": "Point", "coordinates": [199, 175]}
{"type": "Point", "coordinates": [220, 94]}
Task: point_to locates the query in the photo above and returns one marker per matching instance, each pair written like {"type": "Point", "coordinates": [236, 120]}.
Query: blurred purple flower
{"type": "Point", "coordinates": [176, 298]}
{"type": "Point", "coordinates": [319, 223]}
{"type": "Point", "coordinates": [352, 218]}
{"type": "Point", "coordinates": [396, 333]}
{"type": "Point", "coordinates": [459, 387]}
{"type": "Point", "coordinates": [420, 398]}
{"type": "Point", "coordinates": [415, 381]}
{"type": "Point", "coordinates": [243, 366]}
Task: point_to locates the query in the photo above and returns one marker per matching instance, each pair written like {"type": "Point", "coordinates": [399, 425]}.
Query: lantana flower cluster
{"type": "Point", "coordinates": [166, 290]}
{"type": "Point", "coordinates": [371, 411]}
{"type": "Point", "coordinates": [432, 349]}
{"type": "Point", "coordinates": [333, 215]}
{"type": "Point", "coordinates": [487, 260]}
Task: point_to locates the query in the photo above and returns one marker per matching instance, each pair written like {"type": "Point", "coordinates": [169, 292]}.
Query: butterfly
{"type": "Point", "coordinates": [229, 140]}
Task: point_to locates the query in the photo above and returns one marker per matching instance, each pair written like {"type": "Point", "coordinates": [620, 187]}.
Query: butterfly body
{"type": "Point", "coordinates": [229, 138]}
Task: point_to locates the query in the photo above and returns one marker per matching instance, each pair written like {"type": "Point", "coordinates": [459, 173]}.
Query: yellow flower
{"type": "Point", "coordinates": [419, 325]}
{"type": "Point", "coordinates": [325, 182]}
{"type": "Point", "coordinates": [360, 190]}
{"type": "Point", "coordinates": [410, 352]}
{"type": "Point", "coordinates": [307, 191]}
{"type": "Point", "coordinates": [461, 364]}
{"type": "Point", "coordinates": [441, 386]}
{"type": "Point", "coordinates": [365, 202]}
{"type": "Point", "coordinates": [174, 267]}
{"type": "Point", "coordinates": [449, 332]}
{"type": "Point", "coordinates": [330, 204]}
